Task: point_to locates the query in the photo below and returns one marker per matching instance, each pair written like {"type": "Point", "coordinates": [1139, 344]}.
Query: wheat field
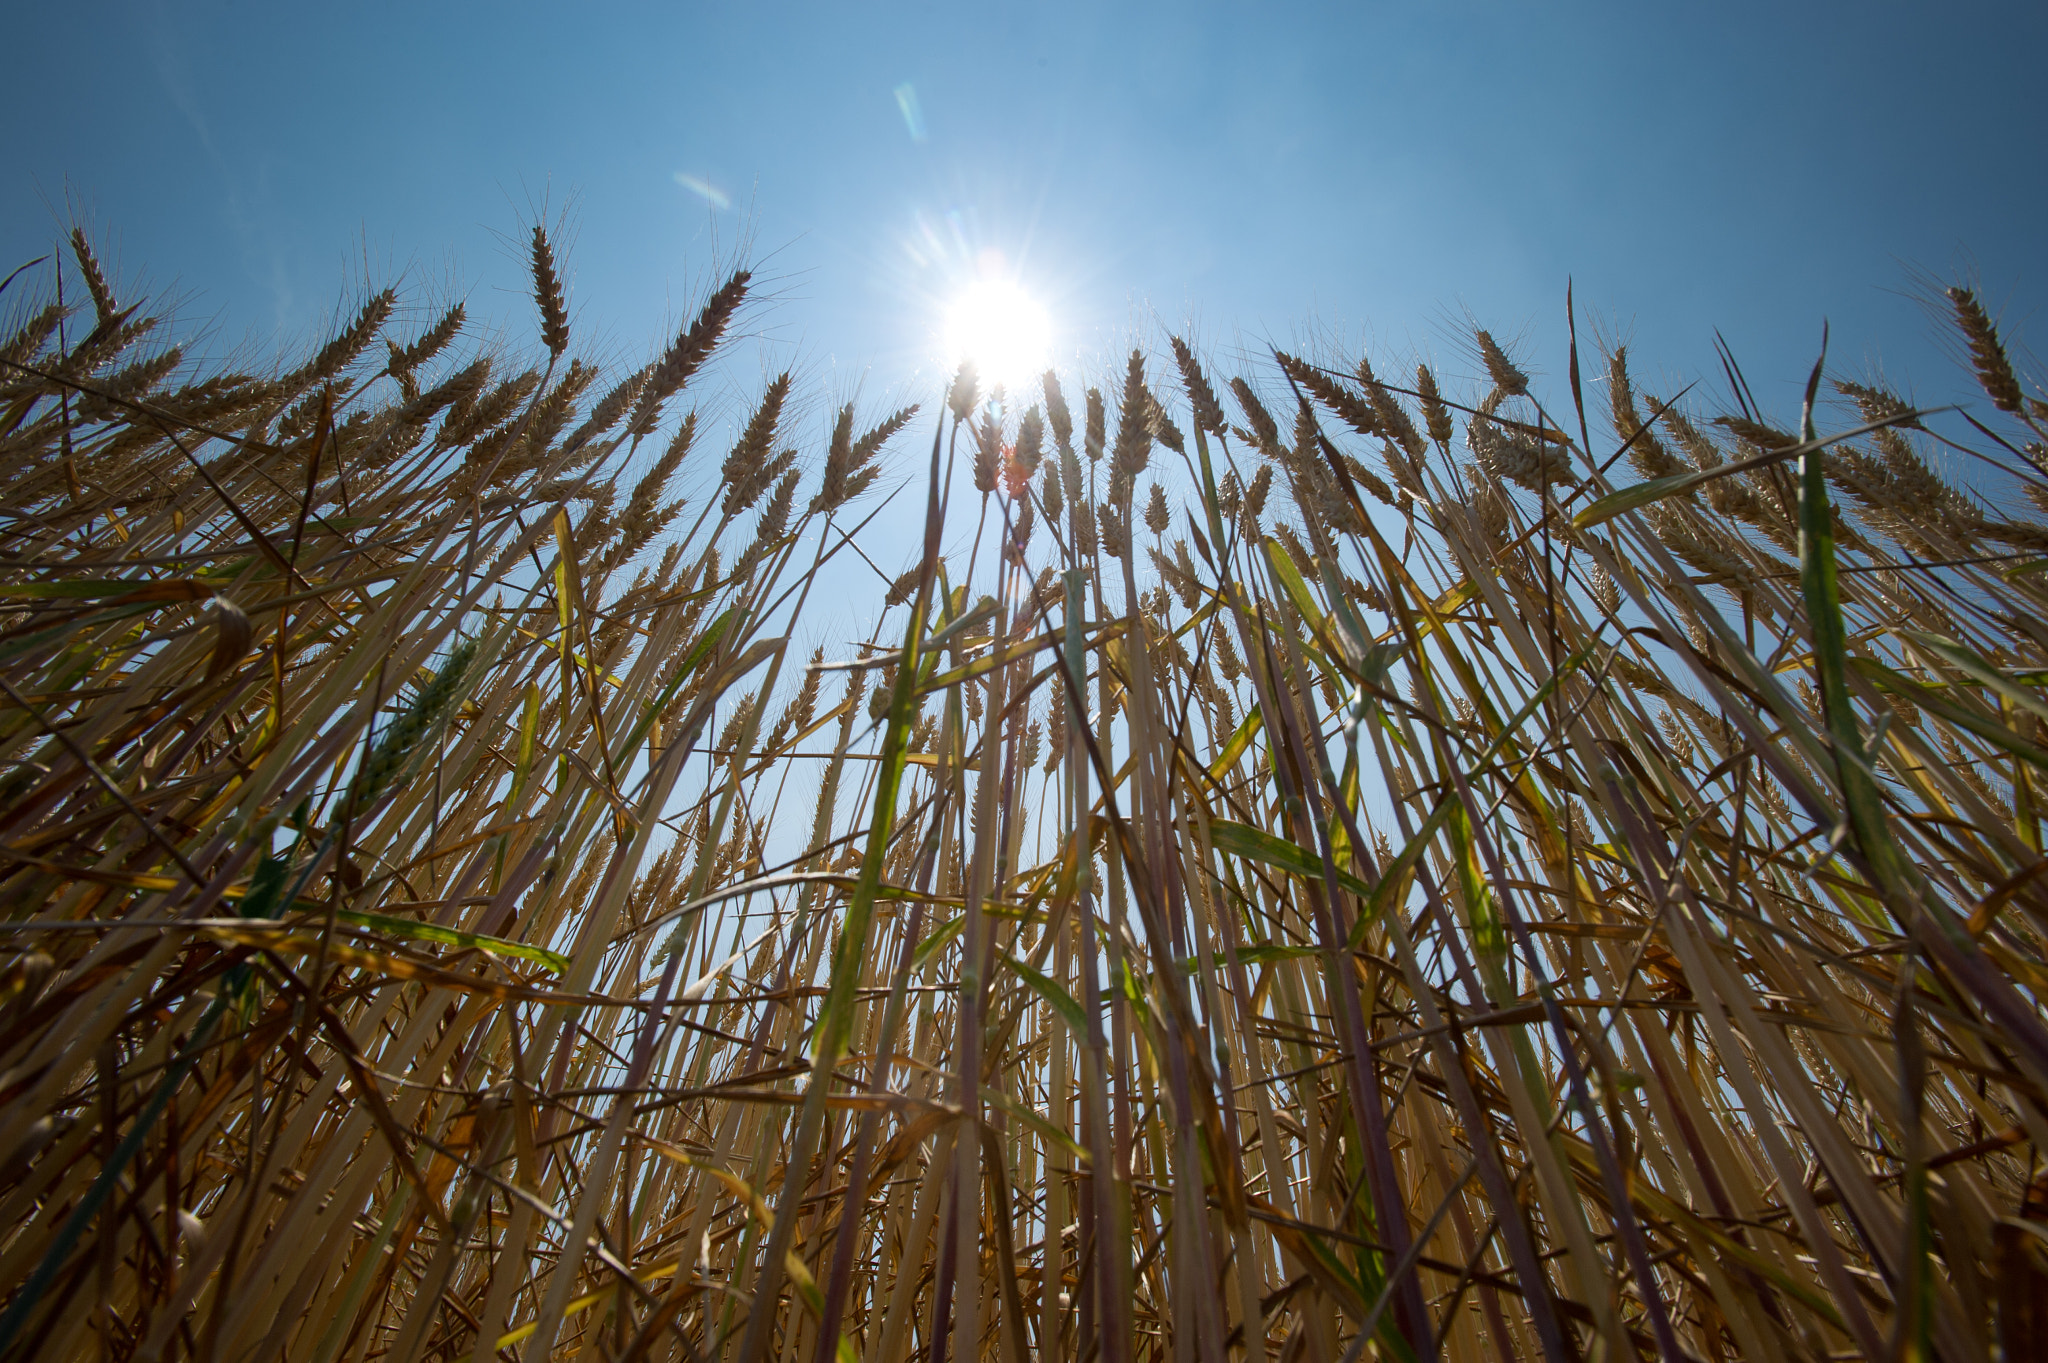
{"type": "Point", "coordinates": [1323, 866]}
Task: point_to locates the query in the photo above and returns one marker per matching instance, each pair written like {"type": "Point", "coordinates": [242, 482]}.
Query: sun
{"type": "Point", "coordinates": [1003, 329]}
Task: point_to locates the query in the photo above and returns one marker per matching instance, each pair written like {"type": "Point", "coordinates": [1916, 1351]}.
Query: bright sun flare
{"type": "Point", "coordinates": [1004, 330]}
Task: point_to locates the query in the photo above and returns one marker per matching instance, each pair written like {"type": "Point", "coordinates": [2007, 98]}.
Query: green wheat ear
{"type": "Point", "coordinates": [402, 738]}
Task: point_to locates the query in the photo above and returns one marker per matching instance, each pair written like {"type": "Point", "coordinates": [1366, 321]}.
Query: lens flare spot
{"type": "Point", "coordinates": [704, 190]}
{"type": "Point", "coordinates": [912, 111]}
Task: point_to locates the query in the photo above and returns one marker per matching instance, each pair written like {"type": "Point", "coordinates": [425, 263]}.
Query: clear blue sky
{"type": "Point", "coordinates": [1370, 172]}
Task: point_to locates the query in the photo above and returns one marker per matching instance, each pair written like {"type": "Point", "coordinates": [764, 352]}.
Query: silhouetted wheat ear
{"type": "Point", "coordinates": [1987, 352]}
{"type": "Point", "coordinates": [547, 293]}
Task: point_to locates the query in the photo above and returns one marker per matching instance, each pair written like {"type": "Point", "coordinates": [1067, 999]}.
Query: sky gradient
{"type": "Point", "coordinates": [1312, 176]}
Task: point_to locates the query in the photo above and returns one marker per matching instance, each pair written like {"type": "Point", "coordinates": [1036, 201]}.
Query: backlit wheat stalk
{"type": "Point", "coordinates": [1356, 871]}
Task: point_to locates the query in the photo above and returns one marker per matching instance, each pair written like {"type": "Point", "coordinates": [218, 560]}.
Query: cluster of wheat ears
{"type": "Point", "coordinates": [1443, 881]}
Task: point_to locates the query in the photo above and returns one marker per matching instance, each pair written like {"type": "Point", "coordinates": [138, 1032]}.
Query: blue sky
{"type": "Point", "coordinates": [1369, 174]}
